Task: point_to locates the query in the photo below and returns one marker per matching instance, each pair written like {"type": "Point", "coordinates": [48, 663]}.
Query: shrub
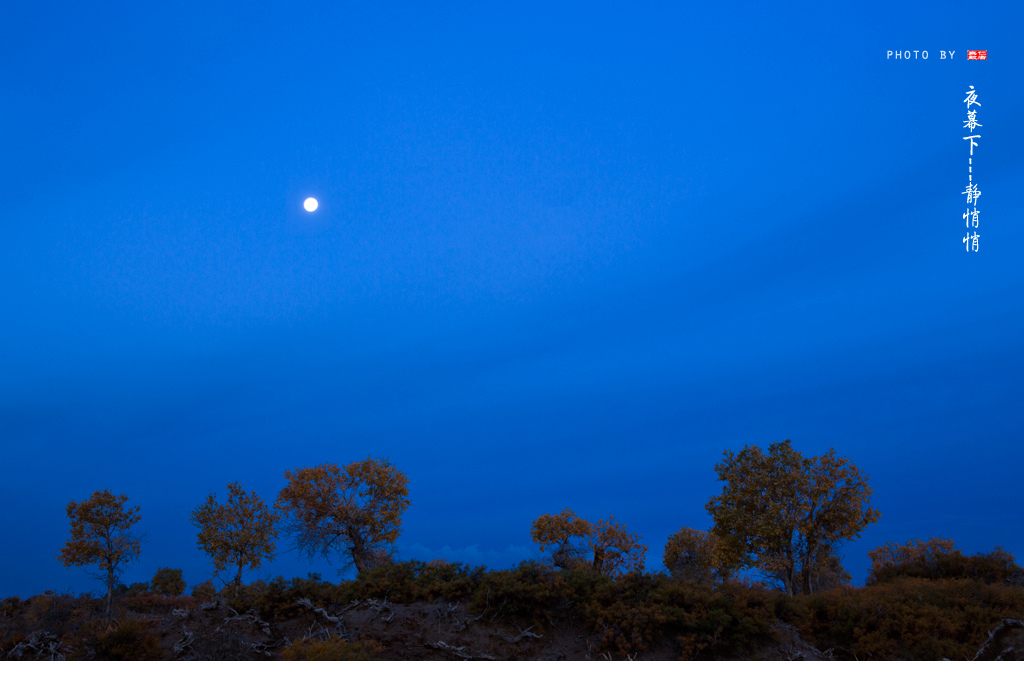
{"type": "Point", "coordinates": [9, 605]}
{"type": "Point", "coordinates": [277, 599]}
{"type": "Point", "coordinates": [205, 591]}
{"type": "Point", "coordinates": [440, 579]}
{"type": "Point", "coordinates": [625, 612]}
{"type": "Point", "coordinates": [48, 611]}
{"type": "Point", "coordinates": [129, 640]}
{"type": "Point", "coordinates": [532, 592]}
{"type": "Point", "coordinates": [243, 597]}
{"type": "Point", "coordinates": [732, 621]}
{"type": "Point", "coordinates": [147, 603]}
{"type": "Point", "coordinates": [412, 581]}
{"type": "Point", "coordinates": [936, 558]}
{"type": "Point", "coordinates": [332, 650]}
{"type": "Point", "coordinates": [167, 582]}
{"type": "Point", "coordinates": [61, 615]}
{"type": "Point", "coordinates": [396, 582]}
{"type": "Point", "coordinates": [638, 610]}
{"type": "Point", "coordinates": [907, 618]}
{"type": "Point", "coordinates": [10, 640]}
{"type": "Point", "coordinates": [633, 612]}
{"type": "Point", "coordinates": [139, 588]}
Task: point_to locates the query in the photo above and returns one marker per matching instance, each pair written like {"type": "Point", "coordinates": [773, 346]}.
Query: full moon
{"type": "Point", "coordinates": [310, 204]}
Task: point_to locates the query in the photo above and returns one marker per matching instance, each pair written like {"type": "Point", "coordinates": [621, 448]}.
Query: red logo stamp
{"type": "Point", "coordinates": [977, 54]}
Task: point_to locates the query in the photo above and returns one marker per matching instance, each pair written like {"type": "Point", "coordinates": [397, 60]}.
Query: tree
{"type": "Point", "coordinates": [101, 535]}
{"type": "Point", "coordinates": [567, 534]}
{"type": "Point", "coordinates": [167, 582]}
{"type": "Point", "coordinates": [784, 514]}
{"type": "Point", "coordinates": [354, 512]}
{"type": "Point", "coordinates": [694, 556]}
{"type": "Point", "coordinates": [616, 551]}
{"type": "Point", "coordinates": [238, 534]}
{"type": "Point", "coordinates": [606, 547]}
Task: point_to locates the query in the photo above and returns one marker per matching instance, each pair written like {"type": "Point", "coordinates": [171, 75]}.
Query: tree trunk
{"type": "Point", "coordinates": [789, 573]}
{"type": "Point", "coordinates": [810, 549]}
{"type": "Point", "coordinates": [805, 571]}
{"type": "Point", "coordinates": [805, 574]}
{"type": "Point", "coordinates": [110, 573]}
{"type": "Point", "coordinates": [110, 590]}
{"type": "Point", "coordinates": [358, 552]}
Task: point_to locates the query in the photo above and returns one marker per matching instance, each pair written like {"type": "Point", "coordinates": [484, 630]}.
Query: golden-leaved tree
{"type": "Point", "coordinates": [785, 515]}
{"type": "Point", "coordinates": [565, 534]}
{"type": "Point", "coordinates": [615, 550]}
{"type": "Point", "coordinates": [167, 581]}
{"type": "Point", "coordinates": [354, 512]}
{"type": "Point", "coordinates": [101, 535]}
{"type": "Point", "coordinates": [605, 547]}
{"type": "Point", "coordinates": [694, 555]}
{"type": "Point", "coordinates": [239, 533]}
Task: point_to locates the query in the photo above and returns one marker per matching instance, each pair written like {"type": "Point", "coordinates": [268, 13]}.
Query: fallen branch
{"type": "Point", "coordinates": [380, 605]}
{"type": "Point", "coordinates": [266, 647]}
{"type": "Point", "coordinates": [43, 644]}
{"type": "Point", "coordinates": [607, 656]}
{"type": "Point", "coordinates": [251, 617]}
{"type": "Point", "coordinates": [339, 625]}
{"type": "Point", "coordinates": [308, 604]}
{"type": "Point", "coordinates": [184, 642]}
{"type": "Point", "coordinates": [459, 651]}
{"type": "Point", "coordinates": [354, 603]}
{"type": "Point", "coordinates": [523, 634]}
{"type": "Point", "coordinates": [446, 615]}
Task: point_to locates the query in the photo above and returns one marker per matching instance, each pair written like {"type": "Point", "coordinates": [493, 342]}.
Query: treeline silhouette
{"type": "Point", "coordinates": [765, 581]}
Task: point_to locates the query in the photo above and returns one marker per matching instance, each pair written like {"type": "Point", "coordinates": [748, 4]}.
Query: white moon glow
{"type": "Point", "coordinates": [310, 204]}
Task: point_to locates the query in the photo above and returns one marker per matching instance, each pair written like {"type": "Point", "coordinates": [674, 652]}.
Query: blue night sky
{"type": "Point", "coordinates": [565, 256]}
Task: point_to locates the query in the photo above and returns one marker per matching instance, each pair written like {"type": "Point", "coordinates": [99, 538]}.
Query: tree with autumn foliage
{"type": "Point", "coordinates": [239, 533]}
{"type": "Point", "coordinates": [695, 556]}
{"type": "Point", "coordinates": [101, 535]}
{"type": "Point", "coordinates": [354, 511]}
{"type": "Point", "coordinates": [615, 550]}
{"type": "Point", "coordinates": [605, 547]}
{"type": "Point", "coordinates": [167, 581]}
{"type": "Point", "coordinates": [785, 515]}
{"type": "Point", "coordinates": [566, 535]}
